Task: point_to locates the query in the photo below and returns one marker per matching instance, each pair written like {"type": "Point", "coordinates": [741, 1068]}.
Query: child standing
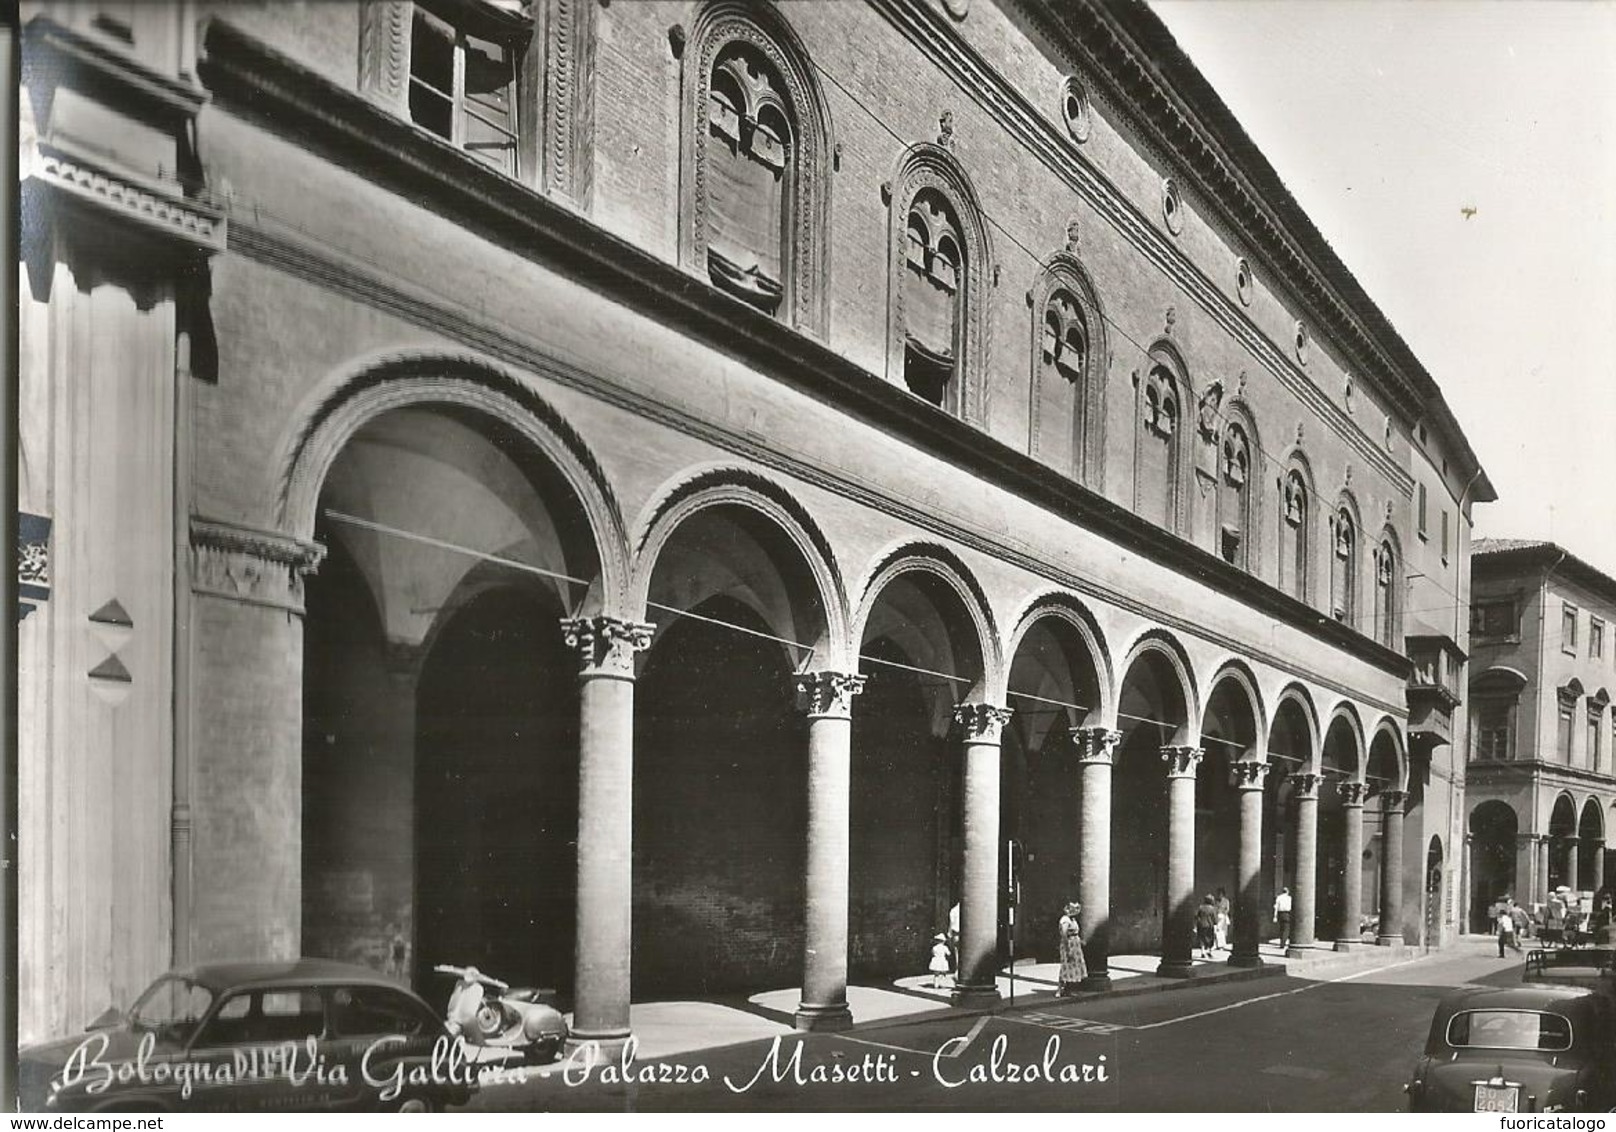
{"type": "Point", "coordinates": [940, 965]}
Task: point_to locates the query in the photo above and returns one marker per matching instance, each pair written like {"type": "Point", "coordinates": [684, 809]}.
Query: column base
{"type": "Point", "coordinates": [1098, 981]}
{"type": "Point", "coordinates": [972, 996]}
{"type": "Point", "coordinates": [1303, 950]}
{"type": "Point", "coordinates": [824, 1017]}
{"type": "Point", "coordinates": [1349, 945]}
{"type": "Point", "coordinates": [1239, 960]}
{"type": "Point", "coordinates": [1389, 940]}
{"type": "Point", "coordinates": [1175, 968]}
{"type": "Point", "coordinates": [607, 1046]}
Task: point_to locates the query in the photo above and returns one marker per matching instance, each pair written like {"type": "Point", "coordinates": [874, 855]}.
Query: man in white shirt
{"type": "Point", "coordinates": [1282, 913]}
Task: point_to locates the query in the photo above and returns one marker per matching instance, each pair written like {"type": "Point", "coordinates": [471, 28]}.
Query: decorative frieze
{"type": "Point", "coordinates": [828, 693]}
{"type": "Point", "coordinates": [249, 565]}
{"type": "Point", "coordinates": [606, 645]}
{"type": "Point", "coordinates": [169, 214]}
{"type": "Point", "coordinates": [1181, 761]}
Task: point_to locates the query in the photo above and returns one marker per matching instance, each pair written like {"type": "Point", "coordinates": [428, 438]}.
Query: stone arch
{"type": "Point", "coordinates": [1386, 727]}
{"type": "Point", "coordinates": [1066, 608]}
{"type": "Point", "coordinates": [1162, 643]}
{"type": "Point", "coordinates": [1591, 819]}
{"type": "Point", "coordinates": [352, 397]}
{"type": "Point", "coordinates": [1295, 694]}
{"type": "Point", "coordinates": [1346, 714]}
{"type": "Point", "coordinates": [944, 565]}
{"type": "Point", "coordinates": [930, 166]}
{"type": "Point", "coordinates": [1238, 672]}
{"type": "Point", "coordinates": [1064, 272]}
{"type": "Point", "coordinates": [716, 25]}
{"type": "Point", "coordinates": [729, 486]}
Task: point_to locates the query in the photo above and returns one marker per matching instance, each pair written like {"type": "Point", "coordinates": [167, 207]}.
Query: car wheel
{"type": "Point", "coordinates": [413, 1104]}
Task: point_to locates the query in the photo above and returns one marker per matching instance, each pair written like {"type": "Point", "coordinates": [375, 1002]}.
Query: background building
{"type": "Point", "coordinates": [671, 498]}
{"type": "Point", "coordinates": [1541, 777]}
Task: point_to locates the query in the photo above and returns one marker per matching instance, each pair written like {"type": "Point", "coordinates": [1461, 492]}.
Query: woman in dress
{"type": "Point", "coordinates": [1073, 968]}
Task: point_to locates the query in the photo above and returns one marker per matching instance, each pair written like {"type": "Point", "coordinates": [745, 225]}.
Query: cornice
{"type": "Point", "coordinates": [1023, 122]}
{"type": "Point", "coordinates": [1493, 771]}
{"type": "Point", "coordinates": [258, 82]}
{"type": "Point", "coordinates": [161, 210]}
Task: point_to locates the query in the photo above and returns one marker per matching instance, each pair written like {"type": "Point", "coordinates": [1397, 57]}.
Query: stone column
{"type": "Point", "coordinates": [1352, 800]}
{"type": "Point", "coordinates": [1570, 878]}
{"type": "Point", "coordinates": [1391, 868]}
{"type": "Point", "coordinates": [1178, 918]}
{"type": "Point", "coordinates": [1304, 899]}
{"type": "Point", "coordinates": [1541, 845]}
{"type": "Point", "coordinates": [1096, 746]}
{"type": "Point", "coordinates": [1597, 848]}
{"type": "Point", "coordinates": [979, 886]}
{"type": "Point", "coordinates": [606, 648]}
{"type": "Point", "coordinates": [828, 699]}
{"type": "Point", "coordinates": [1248, 779]}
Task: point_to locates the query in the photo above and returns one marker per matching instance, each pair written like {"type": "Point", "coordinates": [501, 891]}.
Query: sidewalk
{"type": "Point", "coordinates": [666, 1029]}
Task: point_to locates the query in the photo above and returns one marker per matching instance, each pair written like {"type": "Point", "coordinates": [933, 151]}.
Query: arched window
{"type": "Point", "coordinates": [1387, 581]}
{"type": "Point", "coordinates": [931, 301]}
{"type": "Point", "coordinates": [754, 195]}
{"type": "Point", "coordinates": [1344, 568]}
{"type": "Point", "coordinates": [1067, 397]}
{"type": "Point", "coordinates": [751, 160]}
{"type": "Point", "coordinates": [1293, 543]}
{"type": "Point", "coordinates": [1160, 422]}
{"type": "Point", "coordinates": [938, 267]}
{"type": "Point", "coordinates": [1234, 496]}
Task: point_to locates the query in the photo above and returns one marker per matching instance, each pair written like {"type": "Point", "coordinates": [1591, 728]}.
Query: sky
{"type": "Point", "coordinates": [1389, 120]}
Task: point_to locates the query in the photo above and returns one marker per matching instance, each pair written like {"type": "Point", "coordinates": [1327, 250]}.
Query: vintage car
{"type": "Point", "coordinates": [1519, 1049]}
{"type": "Point", "coordinates": [1591, 967]}
{"type": "Point", "coordinates": [309, 1034]}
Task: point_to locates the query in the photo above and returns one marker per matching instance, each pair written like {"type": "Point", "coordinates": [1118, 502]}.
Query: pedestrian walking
{"type": "Point", "coordinates": [1225, 921]}
{"type": "Point", "coordinates": [1206, 925]}
{"type": "Point", "coordinates": [1506, 928]}
{"type": "Point", "coordinates": [1282, 915]}
{"type": "Point", "coordinates": [1073, 967]}
{"type": "Point", "coordinates": [940, 965]}
{"type": "Point", "coordinates": [1554, 917]}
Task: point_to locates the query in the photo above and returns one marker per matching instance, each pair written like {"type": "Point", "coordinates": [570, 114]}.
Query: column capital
{"type": "Point", "coordinates": [1247, 774]}
{"type": "Point", "coordinates": [1352, 793]}
{"type": "Point", "coordinates": [250, 565]}
{"type": "Point", "coordinates": [1392, 801]}
{"type": "Point", "coordinates": [1181, 761]}
{"type": "Point", "coordinates": [1307, 786]}
{"type": "Point", "coordinates": [606, 645]}
{"type": "Point", "coordinates": [828, 693]}
{"type": "Point", "coordinates": [1095, 744]}
{"type": "Point", "coordinates": [982, 721]}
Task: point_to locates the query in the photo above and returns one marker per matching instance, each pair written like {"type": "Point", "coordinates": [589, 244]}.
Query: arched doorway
{"type": "Point", "coordinates": [1493, 827]}
{"type": "Point", "coordinates": [440, 706]}
{"type": "Point", "coordinates": [721, 759]}
{"type": "Point", "coordinates": [1152, 713]}
{"type": "Point", "coordinates": [1054, 686]}
{"type": "Point", "coordinates": [921, 656]}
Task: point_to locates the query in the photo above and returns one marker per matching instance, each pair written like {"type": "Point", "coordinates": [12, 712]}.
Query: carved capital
{"type": "Point", "coordinates": [1095, 744]}
{"type": "Point", "coordinates": [1181, 761]}
{"type": "Point", "coordinates": [1352, 793]}
{"type": "Point", "coordinates": [828, 693]}
{"type": "Point", "coordinates": [982, 722]}
{"type": "Point", "coordinates": [249, 565]}
{"type": "Point", "coordinates": [1307, 786]}
{"type": "Point", "coordinates": [1248, 775]}
{"type": "Point", "coordinates": [1393, 801]}
{"type": "Point", "coordinates": [606, 645]}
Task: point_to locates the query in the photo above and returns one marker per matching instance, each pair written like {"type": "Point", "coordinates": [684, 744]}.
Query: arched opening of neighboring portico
{"type": "Point", "coordinates": [1054, 687]}
{"type": "Point", "coordinates": [1562, 842]}
{"type": "Point", "coordinates": [439, 788]}
{"type": "Point", "coordinates": [720, 758]}
{"type": "Point", "coordinates": [921, 654]}
{"type": "Point", "coordinates": [1493, 828]}
{"type": "Point", "coordinates": [1290, 756]}
{"type": "Point", "coordinates": [1590, 848]}
{"type": "Point", "coordinates": [1153, 713]}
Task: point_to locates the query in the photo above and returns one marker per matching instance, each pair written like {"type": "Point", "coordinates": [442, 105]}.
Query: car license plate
{"type": "Point", "coordinates": [1497, 1098]}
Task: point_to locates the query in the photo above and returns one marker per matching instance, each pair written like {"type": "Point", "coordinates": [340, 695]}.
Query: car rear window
{"type": "Point", "coordinates": [1509, 1029]}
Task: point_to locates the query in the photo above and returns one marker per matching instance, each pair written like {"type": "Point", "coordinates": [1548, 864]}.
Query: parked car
{"type": "Point", "coordinates": [1519, 1049]}
{"type": "Point", "coordinates": [1590, 967]}
{"type": "Point", "coordinates": [309, 1034]}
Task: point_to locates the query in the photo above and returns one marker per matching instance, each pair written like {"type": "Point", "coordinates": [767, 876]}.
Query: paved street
{"type": "Point", "coordinates": [1336, 1042]}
